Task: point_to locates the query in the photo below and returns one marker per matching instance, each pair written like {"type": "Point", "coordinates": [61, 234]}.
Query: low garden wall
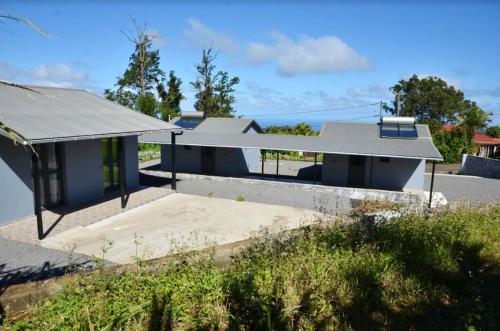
{"type": "Point", "coordinates": [480, 166]}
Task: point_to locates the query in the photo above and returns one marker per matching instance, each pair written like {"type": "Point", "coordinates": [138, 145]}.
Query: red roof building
{"type": "Point", "coordinates": [485, 146]}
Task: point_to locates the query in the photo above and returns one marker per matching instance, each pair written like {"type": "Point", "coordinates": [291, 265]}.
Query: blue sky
{"type": "Point", "coordinates": [290, 57]}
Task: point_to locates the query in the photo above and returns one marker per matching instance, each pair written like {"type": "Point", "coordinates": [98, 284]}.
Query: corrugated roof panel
{"type": "Point", "coordinates": [43, 113]}
{"type": "Point", "coordinates": [360, 145]}
{"type": "Point", "coordinates": [224, 125]}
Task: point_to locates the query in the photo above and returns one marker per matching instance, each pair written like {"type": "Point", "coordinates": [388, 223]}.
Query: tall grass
{"type": "Point", "coordinates": [414, 272]}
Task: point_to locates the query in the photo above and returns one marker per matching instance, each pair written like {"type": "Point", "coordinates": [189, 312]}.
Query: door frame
{"type": "Point", "coordinates": [44, 174]}
{"type": "Point", "coordinates": [356, 172]}
{"type": "Point", "coordinates": [208, 160]}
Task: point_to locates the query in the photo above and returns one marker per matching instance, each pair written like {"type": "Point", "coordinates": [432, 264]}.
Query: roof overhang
{"type": "Point", "coordinates": [313, 144]}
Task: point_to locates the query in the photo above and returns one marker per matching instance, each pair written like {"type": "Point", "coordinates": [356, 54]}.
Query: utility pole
{"type": "Point", "coordinates": [397, 104]}
{"type": "Point", "coordinates": [380, 112]}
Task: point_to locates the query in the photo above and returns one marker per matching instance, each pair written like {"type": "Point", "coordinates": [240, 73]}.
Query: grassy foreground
{"type": "Point", "coordinates": [439, 273]}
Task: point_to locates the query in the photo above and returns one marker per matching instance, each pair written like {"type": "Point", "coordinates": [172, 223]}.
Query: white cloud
{"type": "Point", "coordinates": [307, 55]}
{"type": "Point", "coordinates": [156, 37]}
{"type": "Point", "coordinates": [57, 75]}
{"type": "Point", "coordinates": [8, 72]}
{"type": "Point", "coordinates": [374, 90]}
{"type": "Point", "coordinates": [201, 35]}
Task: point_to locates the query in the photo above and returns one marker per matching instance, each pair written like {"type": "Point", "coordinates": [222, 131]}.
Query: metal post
{"type": "Point", "coordinates": [263, 159]}
{"type": "Point", "coordinates": [172, 155]}
{"type": "Point", "coordinates": [36, 193]}
{"type": "Point", "coordinates": [121, 170]}
{"type": "Point", "coordinates": [314, 169]}
{"type": "Point", "coordinates": [432, 183]}
{"type": "Point", "coordinates": [371, 172]}
{"type": "Point", "coordinates": [277, 163]}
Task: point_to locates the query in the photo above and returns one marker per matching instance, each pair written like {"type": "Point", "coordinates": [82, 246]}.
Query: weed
{"type": "Point", "coordinates": [413, 272]}
{"type": "Point", "coordinates": [240, 198]}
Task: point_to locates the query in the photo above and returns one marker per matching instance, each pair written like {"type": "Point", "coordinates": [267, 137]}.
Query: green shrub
{"type": "Point", "coordinates": [240, 198]}
{"type": "Point", "coordinates": [439, 273]}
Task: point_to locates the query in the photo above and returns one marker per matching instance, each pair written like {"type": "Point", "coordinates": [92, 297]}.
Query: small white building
{"type": "Point", "coordinates": [390, 155]}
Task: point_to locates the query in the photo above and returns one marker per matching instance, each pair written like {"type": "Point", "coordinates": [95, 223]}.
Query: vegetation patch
{"type": "Point", "coordinates": [372, 206]}
{"type": "Point", "coordinates": [436, 272]}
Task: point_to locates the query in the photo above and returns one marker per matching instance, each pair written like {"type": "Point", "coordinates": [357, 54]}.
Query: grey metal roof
{"type": "Point", "coordinates": [44, 114]}
{"type": "Point", "coordinates": [355, 130]}
{"type": "Point", "coordinates": [223, 125]}
{"type": "Point", "coordinates": [362, 142]}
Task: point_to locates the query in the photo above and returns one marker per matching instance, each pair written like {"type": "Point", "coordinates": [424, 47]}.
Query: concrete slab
{"type": "Point", "coordinates": [179, 221]}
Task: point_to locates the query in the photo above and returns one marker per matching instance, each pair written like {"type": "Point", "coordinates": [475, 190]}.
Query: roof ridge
{"type": "Point", "coordinates": [54, 87]}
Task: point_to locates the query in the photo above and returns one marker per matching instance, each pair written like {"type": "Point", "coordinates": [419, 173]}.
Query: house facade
{"type": "Point", "coordinates": [65, 147]}
{"type": "Point", "coordinates": [389, 155]}
{"type": "Point", "coordinates": [213, 160]}
{"type": "Point", "coordinates": [396, 162]}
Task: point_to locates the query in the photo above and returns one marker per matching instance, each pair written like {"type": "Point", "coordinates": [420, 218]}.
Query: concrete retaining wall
{"type": "Point", "coordinates": [329, 199]}
{"type": "Point", "coordinates": [480, 166]}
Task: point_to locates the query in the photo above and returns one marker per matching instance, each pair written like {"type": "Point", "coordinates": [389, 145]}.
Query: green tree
{"type": "Point", "coordinates": [142, 75]}
{"type": "Point", "coordinates": [493, 131]}
{"type": "Point", "coordinates": [452, 144]}
{"type": "Point", "coordinates": [170, 99]}
{"type": "Point", "coordinates": [123, 97]}
{"type": "Point", "coordinates": [430, 100]}
{"type": "Point", "coordinates": [147, 104]}
{"type": "Point", "coordinates": [224, 90]}
{"type": "Point", "coordinates": [301, 129]}
{"type": "Point", "coordinates": [472, 119]}
{"type": "Point", "coordinates": [214, 91]}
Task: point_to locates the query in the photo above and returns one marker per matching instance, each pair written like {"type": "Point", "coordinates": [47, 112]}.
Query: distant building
{"type": "Point", "coordinates": [484, 146]}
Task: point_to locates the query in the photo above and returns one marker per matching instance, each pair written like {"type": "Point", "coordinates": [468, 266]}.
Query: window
{"type": "Point", "coordinates": [50, 167]}
{"type": "Point", "coordinates": [397, 130]}
{"type": "Point", "coordinates": [384, 159]}
{"type": "Point", "coordinates": [110, 165]}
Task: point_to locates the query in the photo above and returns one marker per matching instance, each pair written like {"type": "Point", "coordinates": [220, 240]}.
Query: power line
{"type": "Point", "coordinates": [315, 111]}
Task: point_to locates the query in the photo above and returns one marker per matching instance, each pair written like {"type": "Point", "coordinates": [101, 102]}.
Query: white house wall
{"type": "Point", "coordinates": [187, 160]}
{"type": "Point", "coordinates": [131, 162]}
{"type": "Point", "coordinates": [335, 169]}
{"type": "Point", "coordinates": [83, 177]}
{"type": "Point", "coordinates": [16, 183]}
{"type": "Point", "coordinates": [228, 161]}
{"type": "Point", "coordinates": [397, 174]}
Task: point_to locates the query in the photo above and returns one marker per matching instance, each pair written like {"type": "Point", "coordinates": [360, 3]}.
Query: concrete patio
{"type": "Point", "coordinates": [178, 222]}
{"type": "Point", "coordinates": [65, 218]}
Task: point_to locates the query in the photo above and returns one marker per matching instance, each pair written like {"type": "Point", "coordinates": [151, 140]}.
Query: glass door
{"type": "Point", "coordinates": [50, 178]}
{"type": "Point", "coordinates": [110, 165]}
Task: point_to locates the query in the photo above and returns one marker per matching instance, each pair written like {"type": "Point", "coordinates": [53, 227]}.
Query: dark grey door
{"type": "Point", "coordinates": [208, 160]}
{"type": "Point", "coordinates": [357, 170]}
